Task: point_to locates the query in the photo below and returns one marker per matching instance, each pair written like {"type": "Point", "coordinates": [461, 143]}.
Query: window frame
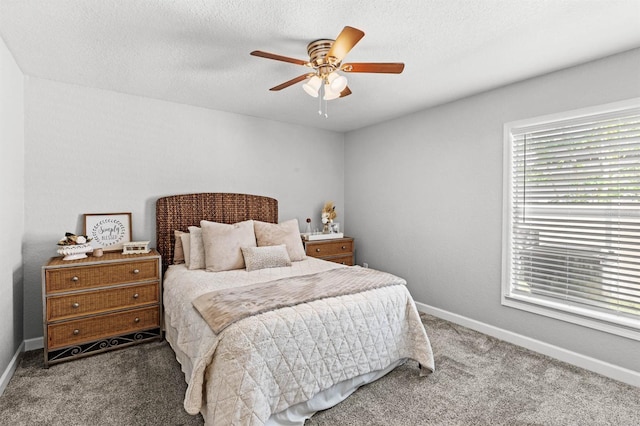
{"type": "Point", "coordinates": [571, 313]}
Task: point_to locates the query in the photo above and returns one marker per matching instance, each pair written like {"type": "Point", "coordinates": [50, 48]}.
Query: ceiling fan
{"type": "Point", "coordinates": [325, 58]}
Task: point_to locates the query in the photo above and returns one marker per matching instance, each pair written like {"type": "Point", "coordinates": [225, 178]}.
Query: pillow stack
{"type": "Point", "coordinates": [250, 244]}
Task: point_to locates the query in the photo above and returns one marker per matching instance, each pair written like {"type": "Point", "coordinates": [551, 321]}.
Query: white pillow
{"type": "Point", "coordinates": [287, 233]}
{"type": "Point", "coordinates": [196, 249]}
{"type": "Point", "coordinates": [265, 257]}
{"type": "Point", "coordinates": [223, 242]}
{"type": "Point", "coordinates": [186, 247]}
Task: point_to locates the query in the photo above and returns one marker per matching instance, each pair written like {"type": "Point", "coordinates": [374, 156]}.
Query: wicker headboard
{"type": "Point", "coordinates": [178, 212]}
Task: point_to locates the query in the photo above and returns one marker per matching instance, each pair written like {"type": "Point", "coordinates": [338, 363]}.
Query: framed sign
{"type": "Point", "coordinates": [108, 230]}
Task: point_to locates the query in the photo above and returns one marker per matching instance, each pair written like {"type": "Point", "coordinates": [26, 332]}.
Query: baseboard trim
{"type": "Point", "coordinates": [11, 368]}
{"type": "Point", "coordinates": [592, 364]}
{"type": "Point", "coordinates": [33, 344]}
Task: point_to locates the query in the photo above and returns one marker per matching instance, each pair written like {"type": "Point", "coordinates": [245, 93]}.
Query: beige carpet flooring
{"type": "Point", "coordinates": [479, 381]}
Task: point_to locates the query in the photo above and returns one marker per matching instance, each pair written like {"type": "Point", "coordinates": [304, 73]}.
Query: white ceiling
{"type": "Point", "coordinates": [197, 51]}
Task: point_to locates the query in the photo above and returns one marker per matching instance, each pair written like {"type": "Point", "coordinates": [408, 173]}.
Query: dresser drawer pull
{"type": "Point", "coordinates": [136, 271]}
{"type": "Point", "coordinates": [344, 247]}
{"type": "Point", "coordinates": [136, 320]}
{"type": "Point", "coordinates": [76, 332]}
{"type": "Point", "coordinates": [75, 305]}
{"type": "Point", "coordinates": [75, 279]}
{"type": "Point", "coordinates": [135, 296]}
{"type": "Point", "coordinates": [318, 250]}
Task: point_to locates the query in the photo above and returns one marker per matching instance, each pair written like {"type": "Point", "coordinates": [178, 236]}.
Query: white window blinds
{"type": "Point", "coordinates": [574, 215]}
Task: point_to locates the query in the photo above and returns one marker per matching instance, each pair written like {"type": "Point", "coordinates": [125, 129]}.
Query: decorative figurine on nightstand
{"type": "Point", "coordinates": [328, 214]}
{"type": "Point", "coordinates": [74, 246]}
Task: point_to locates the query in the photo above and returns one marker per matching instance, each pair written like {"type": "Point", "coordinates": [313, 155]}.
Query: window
{"type": "Point", "coordinates": [571, 217]}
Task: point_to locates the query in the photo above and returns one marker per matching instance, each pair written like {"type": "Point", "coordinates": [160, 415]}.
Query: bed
{"type": "Point", "coordinates": [277, 366]}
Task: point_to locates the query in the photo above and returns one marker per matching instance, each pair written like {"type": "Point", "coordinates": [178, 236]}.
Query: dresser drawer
{"type": "Point", "coordinates": [332, 248]}
{"type": "Point", "coordinates": [98, 301]}
{"type": "Point", "coordinates": [76, 278]}
{"type": "Point", "coordinates": [103, 326]}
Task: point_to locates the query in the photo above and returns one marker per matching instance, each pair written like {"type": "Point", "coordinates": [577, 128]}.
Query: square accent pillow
{"type": "Point", "coordinates": [223, 242]}
{"type": "Point", "coordinates": [186, 247]}
{"type": "Point", "coordinates": [196, 249]}
{"type": "Point", "coordinates": [287, 233]}
{"type": "Point", "coordinates": [178, 251]}
{"type": "Point", "coordinates": [265, 257]}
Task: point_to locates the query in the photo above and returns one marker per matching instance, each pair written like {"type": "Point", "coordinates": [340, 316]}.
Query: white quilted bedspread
{"type": "Point", "coordinates": [266, 363]}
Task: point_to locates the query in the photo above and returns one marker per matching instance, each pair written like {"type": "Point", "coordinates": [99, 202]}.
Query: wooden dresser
{"type": "Point", "coordinates": [339, 250]}
{"type": "Point", "coordinates": [97, 304]}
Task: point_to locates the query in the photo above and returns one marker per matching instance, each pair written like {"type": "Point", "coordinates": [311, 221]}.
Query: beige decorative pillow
{"type": "Point", "coordinates": [178, 251]}
{"type": "Point", "coordinates": [196, 249]}
{"type": "Point", "coordinates": [223, 242]}
{"type": "Point", "coordinates": [265, 257]}
{"type": "Point", "coordinates": [186, 247]}
{"type": "Point", "coordinates": [287, 233]}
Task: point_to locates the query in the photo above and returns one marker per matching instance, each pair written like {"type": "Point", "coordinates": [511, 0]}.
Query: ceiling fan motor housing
{"type": "Point", "coordinates": [317, 51]}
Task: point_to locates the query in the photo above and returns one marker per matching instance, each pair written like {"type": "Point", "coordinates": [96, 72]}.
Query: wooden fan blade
{"type": "Point", "coordinates": [292, 82]}
{"type": "Point", "coordinates": [378, 67]}
{"type": "Point", "coordinates": [344, 43]}
{"type": "Point", "coordinates": [345, 92]}
{"type": "Point", "coordinates": [268, 55]}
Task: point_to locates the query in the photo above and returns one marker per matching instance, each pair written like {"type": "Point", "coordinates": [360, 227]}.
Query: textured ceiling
{"type": "Point", "coordinates": [197, 52]}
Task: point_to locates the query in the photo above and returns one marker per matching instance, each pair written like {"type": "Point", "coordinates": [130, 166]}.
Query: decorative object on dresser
{"type": "Point", "coordinates": [74, 247]}
{"type": "Point", "coordinates": [108, 230]}
{"type": "Point", "coordinates": [92, 305]}
{"type": "Point", "coordinates": [339, 250]}
{"type": "Point", "coordinates": [136, 247]}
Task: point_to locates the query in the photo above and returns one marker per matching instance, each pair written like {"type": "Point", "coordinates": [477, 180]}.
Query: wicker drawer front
{"type": "Point", "coordinates": [79, 331]}
{"type": "Point", "coordinates": [73, 305]}
{"type": "Point", "coordinates": [329, 249]}
{"type": "Point", "coordinates": [65, 279]}
{"type": "Point", "coordinates": [343, 260]}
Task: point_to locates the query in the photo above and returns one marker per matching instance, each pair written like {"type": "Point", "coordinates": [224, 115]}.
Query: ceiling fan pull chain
{"type": "Point", "coordinates": [320, 96]}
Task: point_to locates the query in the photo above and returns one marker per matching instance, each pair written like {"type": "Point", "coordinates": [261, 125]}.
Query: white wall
{"type": "Point", "coordinates": [12, 211]}
{"type": "Point", "coordinates": [94, 151]}
{"type": "Point", "coordinates": [424, 194]}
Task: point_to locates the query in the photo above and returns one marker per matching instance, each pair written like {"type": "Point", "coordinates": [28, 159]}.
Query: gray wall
{"type": "Point", "coordinates": [95, 151]}
{"type": "Point", "coordinates": [12, 211]}
{"type": "Point", "coordinates": [425, 196]}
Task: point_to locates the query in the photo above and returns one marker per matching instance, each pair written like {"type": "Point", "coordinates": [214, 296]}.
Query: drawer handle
{"type": "Point", "coordinates": [318, 250]}
{"type": "Point", "coordinates": [136, 271]}
{"type": "Point", "coordinates": [75, 279]}
{"type": "Point", "coordinates": [136, 320]}
{"type": "Point", "coordinates": [75, 305]}
{"type": "Point", "coordinates": [135, 296]}
{"type": "Point", "coordinates": [344, 247]}
{"type": "Point", "coordinates": [76, 332]}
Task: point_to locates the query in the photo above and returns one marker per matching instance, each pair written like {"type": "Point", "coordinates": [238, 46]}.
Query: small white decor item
{"type": "Point", "coordinates": [321, 236]}
{"type": "Point", "coordinates": [74, 247]}
{"type": "Point", "coordinates": [136, 247]}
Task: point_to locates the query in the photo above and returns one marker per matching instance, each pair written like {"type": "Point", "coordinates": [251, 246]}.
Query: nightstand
{"type": "Point", "coordinates": [96, 304]}
{"type": "Point", "coordinates": [339, 250]}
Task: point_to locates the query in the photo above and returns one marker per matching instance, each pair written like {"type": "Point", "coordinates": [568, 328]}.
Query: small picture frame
{"type": "Point", "coordinates": [108, 230]}
{"type": "Point", "coordinates": [136, 247]}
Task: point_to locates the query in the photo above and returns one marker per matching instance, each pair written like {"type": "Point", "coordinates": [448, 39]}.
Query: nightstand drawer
{"type": "Point", "coordinates": [79, 331]}
{"type": "Point", "coordinates": [347, 259]}
{"type": "Point", "coordinates": [321, 249]}
{"type": "Point", "coordinates": [94, 302]}
{"type": "Point", "coordinates": [66, 279]}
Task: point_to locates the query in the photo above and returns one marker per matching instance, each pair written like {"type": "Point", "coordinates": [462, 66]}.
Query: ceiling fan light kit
{"type": "Point", "coordinates": [325, 58]}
